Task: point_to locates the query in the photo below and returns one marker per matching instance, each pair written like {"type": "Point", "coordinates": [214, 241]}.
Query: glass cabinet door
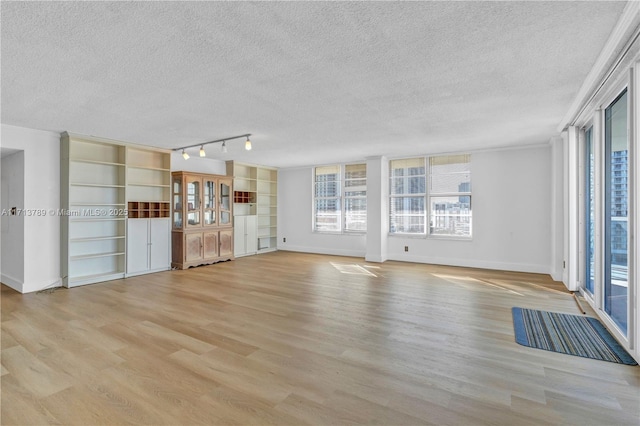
{"type": "Point", "coordinates": [209, 197]}
{"type": "Point", "coordinates": [177, 202]}
{"type": "Point", "coordinates": [225, 203]}
{"type": "Point", "coordinates": [193, 201]}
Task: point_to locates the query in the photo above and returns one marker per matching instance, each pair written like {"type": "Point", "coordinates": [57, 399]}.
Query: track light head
{"type": "Point", "coordinates": [202, 153]}
{"type": "Point", "coordinates": [247, 144]}
{"type": "Point", "coordinates": [185, 155]}
{"type": "Point", "coordinates": [224, 146]}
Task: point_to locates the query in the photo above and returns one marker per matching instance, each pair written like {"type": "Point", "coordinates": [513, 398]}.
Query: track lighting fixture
{"type": "Point", "coordinates": [247, 145]}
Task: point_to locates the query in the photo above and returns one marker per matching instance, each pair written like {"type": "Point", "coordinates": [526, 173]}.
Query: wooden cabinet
{"type": "Point", "coordinates": [202, 228]}
{"type": "Point", "coordinates": [255, 194]}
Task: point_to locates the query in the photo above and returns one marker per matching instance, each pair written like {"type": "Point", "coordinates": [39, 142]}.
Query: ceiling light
{"type": "Point", "coordinates": [247, 145]}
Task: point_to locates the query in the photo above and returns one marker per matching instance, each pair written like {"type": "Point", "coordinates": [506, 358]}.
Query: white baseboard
{"type": "Point", "coordinates": [376, 259]}
{"type": "Point", "coordinates": [474, 263]}
{"type": "Point", "coordinates": [316, 250]}
{"type": "Point", "coordinates": [30, 287]}
{"type": "Point", "coordinates": [11, 282]}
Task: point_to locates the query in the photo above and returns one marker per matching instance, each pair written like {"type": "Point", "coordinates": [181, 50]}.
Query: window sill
{"type": "Point", "coordinates": [432, 237]}
{"type": "Point", "coordinates": [353, 233]}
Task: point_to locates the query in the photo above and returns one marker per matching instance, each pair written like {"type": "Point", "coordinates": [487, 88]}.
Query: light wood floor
{"type": "Point", "coordinates": [287, 338]}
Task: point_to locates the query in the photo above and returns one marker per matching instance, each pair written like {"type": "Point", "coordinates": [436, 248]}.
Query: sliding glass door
{"type": "Point", "coordinates": [616, 203]}
{"type": "Point", "coordinates": [590, 212]}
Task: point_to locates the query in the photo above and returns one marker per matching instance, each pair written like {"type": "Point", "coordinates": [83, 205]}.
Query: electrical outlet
{"type": "Point", "coordinates": [284, 240]}
{"type": "Point", "coordinates": [406, 248]}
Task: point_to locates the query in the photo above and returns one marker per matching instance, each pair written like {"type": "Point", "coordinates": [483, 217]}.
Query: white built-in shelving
{"type": "Point", "coordinates": [267, 209]}
{"type": "Point", "coordinates": [100, 179]}
{"type": "Point", "coordinates": [255, 199]}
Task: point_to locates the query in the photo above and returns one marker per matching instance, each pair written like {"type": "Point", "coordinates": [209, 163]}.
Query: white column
{"type": "Point", "coordinates": [377, 209]}
{"type": "Point", "coordinates": [572, 230]}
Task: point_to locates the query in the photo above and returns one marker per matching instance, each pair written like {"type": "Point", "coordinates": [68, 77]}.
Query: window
{"type": "Point", "coordinates": [327, 199]}
{"type": "Point", "coordinates": [340, 198]}
{"type": "Point", "coordinates": [355, 198]}
{"type": "Point", "coordinates": [408, 189]}
{"type": "Point", "coordinates": [448, 196]}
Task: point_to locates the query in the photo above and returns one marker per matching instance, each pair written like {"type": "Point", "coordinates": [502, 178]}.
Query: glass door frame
{"type": "Point", "coordinates": [592, 125]}
{"type": "Point", "coordinates": [596, 121]}
{"type": "Point", "coordinates": [607, 194]}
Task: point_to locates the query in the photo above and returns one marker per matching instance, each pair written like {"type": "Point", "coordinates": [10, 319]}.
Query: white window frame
{"type": "Point", "coordinates": [342, 198]}
{"type": "Point", "coordinates": [433, 194]}
{"type": "Point", "coordinates": [420, 162]}
{"type": "Point", "coordinates": [427, 197]}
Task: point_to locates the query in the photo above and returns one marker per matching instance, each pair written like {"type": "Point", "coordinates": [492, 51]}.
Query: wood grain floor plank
{"type": "Point", "coordinates": [253, 381]}
{"type": "Point", "coordinates": [238, 407]}
{"type": "Point", "coordinates": [25, 406]}
{"type": "Point", "coordinates": [33, 374]}
{"type": "Point", "coordinates": [294, 338]}
{"type": "Point", "coordinates": [312, 412]}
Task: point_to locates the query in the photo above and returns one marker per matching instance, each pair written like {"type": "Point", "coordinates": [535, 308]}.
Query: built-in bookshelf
{"type": "Point", "coordinates": [245, 185]}
{"type": "Point", "coordinates": [103, 185]}
{"type": "Point", "coordinates": [255, 194]}
{"type": "Point", "coordinates": [148, 175]}
{"type": "Point", "coordinates": [267, 209]}
{"type": "Point", "coordinates": [93, 185]}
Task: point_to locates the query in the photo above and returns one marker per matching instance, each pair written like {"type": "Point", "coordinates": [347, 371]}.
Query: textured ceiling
{"type": "Point", "coordinates": [314, 82]}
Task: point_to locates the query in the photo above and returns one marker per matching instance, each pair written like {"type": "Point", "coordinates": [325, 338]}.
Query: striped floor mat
{"type": "Point", "coordinates": [568, 334]}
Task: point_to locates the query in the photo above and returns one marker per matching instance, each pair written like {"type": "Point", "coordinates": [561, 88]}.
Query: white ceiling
{"type": "Point", "coordinates": [314, 82]}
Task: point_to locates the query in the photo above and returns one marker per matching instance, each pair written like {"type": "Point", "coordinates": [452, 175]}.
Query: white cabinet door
{"type": "Point", "coordinates": [137, 245]}
{"type": "Point", "coordinates": [239, 226]}
{"type": "Point", "coordinates": [251, 234]}
{"type": "Point", "coordinates": [148, 245]}
{"type": "Point", "coordinates": [159, 247]}
{"type": "Point", "coordinates": [245, 235]}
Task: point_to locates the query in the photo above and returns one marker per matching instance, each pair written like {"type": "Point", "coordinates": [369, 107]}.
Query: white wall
{"type": "Point", "coordinates": [295, 207]}
{"type": "Point", "coordinates": [511, 206]}
{"type": "Point", "coordinates": [12, 227]}
{"type": "Point", "coordinates": [512, 217]}
{"type": "Point", "coordinates": [41, 192]}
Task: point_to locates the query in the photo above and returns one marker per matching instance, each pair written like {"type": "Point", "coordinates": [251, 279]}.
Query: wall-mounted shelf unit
{"type": "Point", "coordinates": [255, 194]}
{"type": "Point", "coordinates": [100, 181]}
